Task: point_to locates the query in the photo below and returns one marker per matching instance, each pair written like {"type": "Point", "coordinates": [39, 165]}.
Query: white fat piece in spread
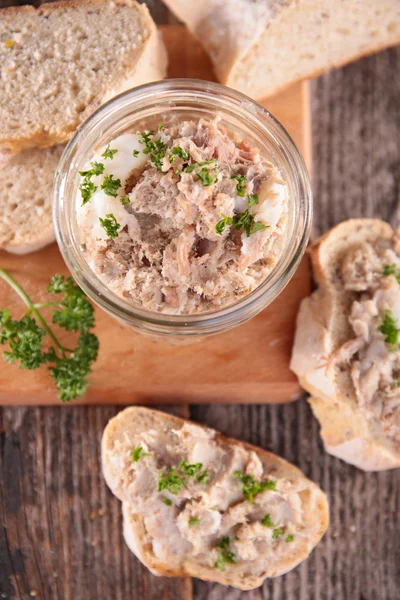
{"type": "Point", "coordinates": [191, 521]}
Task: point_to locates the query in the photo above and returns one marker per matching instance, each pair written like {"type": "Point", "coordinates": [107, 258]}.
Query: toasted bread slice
{"type": "Point", "coordinates": [26, 182]}
{"type": "Point", "coordinates": [323, 328]}
{"type": "Point", "coordinates": [60, 61]}
{"type": "Point", "coordinates": [261, 46]}
{"type": "Point", "coordinates": [208, 528]}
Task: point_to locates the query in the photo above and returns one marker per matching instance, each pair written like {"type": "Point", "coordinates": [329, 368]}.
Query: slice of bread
{"type": "Point", "coordinates": [26, 182]}
{"type": "Point", "coordinates": [261, 46]}
{"type": "Point", "coordinates": [156, 524]}
{"type": "Point", "coordinates": [59, 62]}
{"type": "Point", "coordinates": [323, 328]}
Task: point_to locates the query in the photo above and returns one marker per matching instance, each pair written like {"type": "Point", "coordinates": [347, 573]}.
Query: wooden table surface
{"type": "Point", "coordinates": [60, 527]}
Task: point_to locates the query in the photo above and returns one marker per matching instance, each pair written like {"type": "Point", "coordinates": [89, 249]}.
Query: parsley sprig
{"type": "Point", "coordinates": [87, 187]}
{"type": "Point", "coordinates": [389, 329]}
{"type": "Point", "coordinates": [68, 367]}
{"type": "Point", "coordinates": [251, 487]}
{"type": "Point", "coordinates": [111, 185]}
{"type": "Point", "coordinates": [241, 184]}
{"type": "Point", "coordinates": [178, 152]}
{"type": "Point", "coordinates": [225, 555]}
{"type": "Point", "coordinates": [109, 153]}
{"type": "Point", "coordinates": [110, 225]}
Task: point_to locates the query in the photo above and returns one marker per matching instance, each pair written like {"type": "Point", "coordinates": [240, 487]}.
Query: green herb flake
{"type": "Point", "coordinates": [155, 148]}
{"type": "Point", "coordinates": [167, 501]}
{"type": "Point", "coordinates": [289, 538]}
{"type": "Point", "coordinates": [190, 469]}
{"type": "Point", "coordinates": [68, 367]}
{"type": "Point", "coordinates": [392, 270]}
{"type": "Point", "coordinates": [277, 533]}
{"type": "Point", "coordinates": [110, 225]}
{"type": "Point", "coordinates": [225, 555]}
{"type": "Point", "coordinates": [138, 453]}
{"type": "Point", "coordinates": [206, 178]}
{"type": "Point", "coordinates": [135, 153]}
{"type": "Point", "coordinates": [246, 221]}
{"type": "Point", "coordinates": [389, 329]}
{"type": "Point", "coordinates": [240, 185]}
{"type": "Point", "coordinates": [97, 169]}
{"type": "Point", "coordinates": [193, 521]}
{"type": "Point", "coordinates": [222, 224]}
{"type": "Point", "coordinates": [178, 152]}
{"type": "Point", "coordinates": [193, 166]}
{"type": "Point", "coordinates": [250, 487]}
{"type": "Point", "coordinates": [109, 153]}
{"type": "Point", "coordinates": [110, 185]}
{"type": "Point", "coordinates": [267, 521]}
{"type": "Point", "coordinates": [160, 127]}
{"type": "Point", "coordinates": [203, 477]}
{"type": "Point", "coordinates": [125, 201]}
{"type": "Point", "coordinates": [171, 481]}
{"type": "Point", "coordinates": [252, 199]}
{"type": "Point", "coordinates": [87, 189]}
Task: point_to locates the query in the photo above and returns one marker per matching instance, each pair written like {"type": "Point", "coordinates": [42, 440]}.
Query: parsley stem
{"type": "Point", "coordinates": [32, 308]}
{"type": "Point", "coordinates": [44, 304]}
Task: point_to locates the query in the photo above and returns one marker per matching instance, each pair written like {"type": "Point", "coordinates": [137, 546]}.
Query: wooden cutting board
{"type": "Point", "coordinates": [247, 364]}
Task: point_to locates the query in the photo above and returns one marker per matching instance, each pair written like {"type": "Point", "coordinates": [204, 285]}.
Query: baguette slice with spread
{"type": "Point", "coordinates": [261, 46]}
{"type": "Point", "coordinates": [200, 504]}
{"type": "Point", "coordinates": [341, 355]}
{"type": "Point", "coordinates": [26, 182]}
{"type": "Point", "coordinates": [60, 61]}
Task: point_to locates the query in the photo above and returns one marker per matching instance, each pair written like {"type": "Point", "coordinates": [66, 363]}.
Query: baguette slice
{"type": "Point", "coordinates": [26, 182]}
{"type": "Point", "coordinates": [59, 62]}
{"type": "Point", "coordinates": [322, 329]}
{"type": "Point", "coordinates": [260, 46]}
{"type": "Point", "coordinates": [162, 536]}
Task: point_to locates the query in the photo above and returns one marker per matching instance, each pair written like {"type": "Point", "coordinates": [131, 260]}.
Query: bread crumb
{"type": "Point", "coordinates": [92, 515]}
{"type": "Point", "coordinates": [33, 593]}
{"type": "Point", "coordinates": [101, 512]}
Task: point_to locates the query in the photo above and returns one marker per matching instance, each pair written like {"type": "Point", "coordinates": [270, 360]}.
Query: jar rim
{"type": "Point", "coordinates": [93, 128]}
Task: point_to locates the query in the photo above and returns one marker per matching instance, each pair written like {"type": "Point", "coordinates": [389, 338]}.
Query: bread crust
{"type": "Point", "coordinates": [345, 429]}
{"type": "Point", "coordinates": [135, 532]}
{"type": "Point", "coordinates": [42, 136]}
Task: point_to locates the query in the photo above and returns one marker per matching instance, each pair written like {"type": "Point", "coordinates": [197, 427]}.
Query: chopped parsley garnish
{"type": "Point", "coordinates": [178, 152]}
{"type": "Point", "coordinates": [109, 153]}
{"type": "Point", "coordinates": [135, 153]}
{"type": "Point", "coordinates": [171, 481]}
{"type": "Point", "coordinates": [392, 270]}
{"type": "Point", "coordinates": [389, 329]}
{"type": "Point", "coordinates": [87, 187]}
{"type": "Point", "coordinates": [97, 169]}
{"type": "Point", "coordinates": [267, 521]}
{"type": "Point", "coordinates": [193, 166]}
{"type": "Point", "coordinates": [155, 148]}
{"type": "Point", "coordinates": [252, 199]}
{"type": "Point", "coordinates": [244, 221]}
{"type": "Point", "coordinates": [203, 477]}
{"type": "Point", "coordinates": [289, 537]}
{"type": "Point", "coordinates": [277, 533]}
{"type": "Point", "coordinates": [167, 501]}
{"type": "Point", "coordinates": [176, 478]}
{"type": "Point", "coordinates": [138, 453]}
{"type": "Point", "coordinates": [193, 521]}
{"type": "Point", "coordinates": [251, 487]}
{"type": "Point", "coordinates": [160, 127]}
{"type": "Point", "coordinates": [125, 201]}
{"type": "Point", "coordinates": [225, 555]}
{"type": "Point", "coordinates": [240, 186]}
{"type": "Point", "coordinates": [68, 367]}
{"type": "Point", "coordinates": [110, 225]}
{"type": "Point", "coordinates": [206, 178]}
{"type": "Point", "coordinates": [111, 185]}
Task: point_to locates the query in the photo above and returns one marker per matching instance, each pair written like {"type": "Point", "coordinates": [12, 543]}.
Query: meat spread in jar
{"type": "Point", "coordinates": [184, 219]}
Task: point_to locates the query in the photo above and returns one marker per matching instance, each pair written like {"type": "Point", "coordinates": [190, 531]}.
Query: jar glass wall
{"type": "Point", "coordinates": [183, 99]}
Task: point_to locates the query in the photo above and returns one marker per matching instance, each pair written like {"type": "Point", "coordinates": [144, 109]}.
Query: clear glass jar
{"type": "Point", "coordinates": [185, 98]}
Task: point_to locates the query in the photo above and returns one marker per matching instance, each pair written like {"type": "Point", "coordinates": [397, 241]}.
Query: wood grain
{"type": "Point", "coordinates": [208, 371]}
{"type": "Point", "coordinates": [49, 467]}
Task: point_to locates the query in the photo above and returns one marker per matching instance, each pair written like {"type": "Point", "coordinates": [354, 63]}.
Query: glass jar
{"type": "Point", "coordinates": [186, 99]}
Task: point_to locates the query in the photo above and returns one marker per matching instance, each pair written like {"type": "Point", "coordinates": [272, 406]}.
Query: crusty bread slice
{"type": "Point", "coordinates": [123, 431]}
{"type": "Point", "coordinates": [261, 46]}
{"type": "Point", "coordinates": [59, 62]}
{"type": "Point", "coordinates": [26, 182]}
{"type": "Point", "coordinates": [322, 328]}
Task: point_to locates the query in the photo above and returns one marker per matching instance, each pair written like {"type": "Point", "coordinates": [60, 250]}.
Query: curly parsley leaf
{"type": "Point", "coordinates": [267, 521]}
{"type": "Point", "coordinates": [125, 201]}
{"type": "Point", "coordinates": [389, 329]}
{"type": "Point", "coordinates": [175, 478]}
{"type": "Point", "coordinates": [167, 501]}
{"type": "Point", "coordinates": [110, 186]}
{"type": "Point", "coordinates": [392, 270]}
{"type": "Point", "coordinates": [135, 153]}
{"type": "Point", "coordinates": [110, 225]}
{"type": "Point", "coordinates": [178, 152]}
{"type": "Point", "coordinates": [97, 169]}
{"type": "Point", "coordinates": [171, 481]}
{"type": "Point", "coordinates": [69, 368]}
{"type": "Point", "coordinates": [155, 148]}
{"type": "Point", "coordinates": [289, 538]}
{"type": "Point", "coordinates": [109, 153]}
{"type": "Point", "coordinates": [87, 189]}
{"type": "Point", "coordinates": [277, 533]}
{"type": "Point", "coordinates": [138, 453]}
